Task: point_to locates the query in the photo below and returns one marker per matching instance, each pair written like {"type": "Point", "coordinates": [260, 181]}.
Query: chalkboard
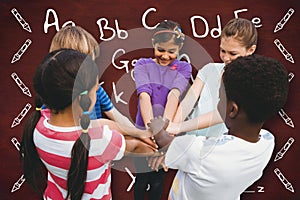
{"type": "Point", "coordinates": [123, 30]}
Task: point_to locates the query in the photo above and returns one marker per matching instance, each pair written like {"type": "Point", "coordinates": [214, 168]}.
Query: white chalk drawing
{"type": "Point", "coordinates": [144, 19]}
{"type": "Point", "coordinates": [17, 185]}
{"type": "Point", "coordinates": [260, 189]}
{"type": "Point", "coordinates": [55, 22]}
{"type": "Point", "coordinates": [122, 34]}
{"type": "Point", "coordinates": [125, 63]}
{"type": "Point", "coordinates": [21, 85]}
{"type": "Point", "coordinates": [132, 74]}
{"type": "Point", "coordinates": [20, 19]}
{"type": "Point", "coordinates": [283, 180]}
{"type": "Point", "coordinates": [288, 121]}
{"type": "Point", "coordinates": [284, 20]}
{"type": "Point", "coordinates": [284, 149]}
{"type": "Point", "coordinates": [17, 120]}
{"type": "Point", "coordinates": [283, 51]}
{"type": "Point", "coordinates": [132, 177]}
{"type": "Point", "coordinates": [21, 51]}
{"type": "Point", "coordinates": [291, 76]}
{"type": "Point", "coordinates": [118, 96]}
{"type": "Point", "coordinates": [16, 143]}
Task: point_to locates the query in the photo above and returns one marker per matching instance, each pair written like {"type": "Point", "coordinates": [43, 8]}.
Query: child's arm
{"type": "Point", "coordinates": [116, 116]}
{"type": "Point", "coordinates": [200, 122]}
{"type": "Point", "coordinates": [172, 103]}
{"type": "Point", "coordinates": [143, 135]}
{"type": "Point", "coordinates": [138, 148]}
{"type": "Point", "coordinates": [146, 107]}
{"type": "Point", "coordinates": [187, 104]}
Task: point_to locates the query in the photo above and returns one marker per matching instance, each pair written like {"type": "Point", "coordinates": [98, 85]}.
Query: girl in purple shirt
{"type": "Point", "coordinates": [159, 81]}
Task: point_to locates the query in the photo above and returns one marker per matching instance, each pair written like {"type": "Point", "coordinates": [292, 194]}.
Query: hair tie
{"type": "Point", "coordinates": [83, 93]}
{"type": "Point", "coordinates": [179, 33]}
{"type": "Point", "coordinates": [38, 109]}
{"type": "Point", "coordinates": [85, 112]}
{"type": "Point", "coordinates": [163, 31]}
{"type": "Point", "coordinates": [176, 31]}
{"type": "Point", "coordinates": [85, 130]}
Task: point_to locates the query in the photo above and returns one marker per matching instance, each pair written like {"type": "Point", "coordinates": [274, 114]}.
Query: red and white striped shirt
{"type": "Point", "coordinates": [54, 145]}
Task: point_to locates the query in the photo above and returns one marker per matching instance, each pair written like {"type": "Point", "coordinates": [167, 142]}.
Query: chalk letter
{"type": "Point", "coordinates": [256, 21]}
{"type": "Point", "coordinates": [106, 28]}
{"type": "Point", "coordinates": [118, 96]}
{"type": "Point", "coordinates": [194, 29]}
{"type": "Point", "coordinates": [144, 19]}
{"type": "Point", "coordinates": [218, 29]}
{"type": "Point", "coordinates": [55, 23]}
{"type": "Point", "coordinates": [125, 63]}
{"type": "Point", "coordinates": [260, 189]}
{"type": "Point", "coordinates": [238, 11]}
{"type": "Point", "coordinates": [119, 31]}
{"type": "Point", "coordinates": [68, 23]}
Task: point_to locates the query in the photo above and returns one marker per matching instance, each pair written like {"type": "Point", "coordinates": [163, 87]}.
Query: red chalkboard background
{"type": "Point", "coordinates": [135, 18]}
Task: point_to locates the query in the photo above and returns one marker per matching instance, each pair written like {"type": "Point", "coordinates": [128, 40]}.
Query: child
{"type": "Point", "coordinates": [159, 81]}
{"type": "Point", "coordinates": [60, 138]}
{"type": "Point", "coordinates": [238, 38]}
{"type": "Point", "coordinates": [77, 38]}
{"type": "Point", "coordinates": [223, 167]}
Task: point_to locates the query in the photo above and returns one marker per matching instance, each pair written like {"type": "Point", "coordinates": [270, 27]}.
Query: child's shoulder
{"type": "Point", "coordinates": [218, 66]}
{"type": "Point", "coordinates": [143, 61]}
{"type": "Point", "coordinates": [182, 66]}
{"type": "Point", "coordinates": [266, 134]}
{"type": "Point", "coordinates": [181, 62]}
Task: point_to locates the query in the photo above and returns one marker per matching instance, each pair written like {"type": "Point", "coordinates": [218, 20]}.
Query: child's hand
{"type": "Point", "coordinates": [158, 126]}
{"type": "Point", "coordinates": [149, 140]}
{"type": "Point", "coordinates": [173, 128]}
{"type": "Point", "coordinates": [155, 161]}
{"type": "Point", "coordinates": [137, 147]}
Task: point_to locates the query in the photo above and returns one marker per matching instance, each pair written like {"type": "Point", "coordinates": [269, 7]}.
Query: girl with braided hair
{"type": "Point", "coordinates": [61, 140]}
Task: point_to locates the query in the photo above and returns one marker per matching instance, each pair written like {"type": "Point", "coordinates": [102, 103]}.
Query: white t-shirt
{"type": "Point", "coordinates": [218, 167]}
{"type": "Point", "coordinates": [210, 75]}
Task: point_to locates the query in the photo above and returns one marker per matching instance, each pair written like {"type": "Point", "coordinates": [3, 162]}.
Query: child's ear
{"type": "Point", "coordinates": [233, 109]}
{"type": "Point", "coordinates": [251, 50]}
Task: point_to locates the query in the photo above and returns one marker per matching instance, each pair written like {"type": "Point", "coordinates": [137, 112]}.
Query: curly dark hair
{"type": "Point", "coordinates": [259, 85]}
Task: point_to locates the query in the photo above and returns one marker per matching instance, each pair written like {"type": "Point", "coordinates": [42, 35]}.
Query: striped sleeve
{"type": "Point", "coordinates": [103, 102]}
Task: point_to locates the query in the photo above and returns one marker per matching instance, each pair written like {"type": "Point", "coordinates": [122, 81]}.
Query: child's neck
{"type": "Point", "coordinates": [64, 118]}
{"type": "Point", "coordinates": [249, 133]}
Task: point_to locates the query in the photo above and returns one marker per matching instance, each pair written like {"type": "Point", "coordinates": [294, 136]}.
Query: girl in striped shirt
{"type": "Point", "coordinates": [61, 139]}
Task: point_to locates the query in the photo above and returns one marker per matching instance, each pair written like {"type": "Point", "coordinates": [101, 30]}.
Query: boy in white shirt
{"type": "Point", "coordinates": [253, 89]}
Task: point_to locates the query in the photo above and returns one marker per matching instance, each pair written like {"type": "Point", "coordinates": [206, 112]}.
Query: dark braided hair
{"type": "Point", "coordinates": [63, 76]}
{"type": "Point", "coordinates": [168, 30]}
{"type": "Point", "coordinates": [259, 85]}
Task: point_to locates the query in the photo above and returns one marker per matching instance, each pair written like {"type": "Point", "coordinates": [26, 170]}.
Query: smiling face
{"type": "Point", "coordinates": [231, 48]}
{"type": "Point", "coordinates": [165, 52]}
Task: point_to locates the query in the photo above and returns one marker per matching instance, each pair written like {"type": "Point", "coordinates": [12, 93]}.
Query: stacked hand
{"type": "Point", "coordinates": [163, 139]}
{"type": "Point", "coordinates": [158, 127]}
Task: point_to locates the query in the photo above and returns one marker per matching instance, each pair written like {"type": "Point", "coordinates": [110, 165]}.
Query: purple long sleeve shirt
{"type": "Point", "coordinates": [157, 81]}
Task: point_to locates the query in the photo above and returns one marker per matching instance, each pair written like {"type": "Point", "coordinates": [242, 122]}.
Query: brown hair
{"type": "Point", "coordinates": [241, 29]}
{"type": "Point", "coordinates": [75, 37]}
